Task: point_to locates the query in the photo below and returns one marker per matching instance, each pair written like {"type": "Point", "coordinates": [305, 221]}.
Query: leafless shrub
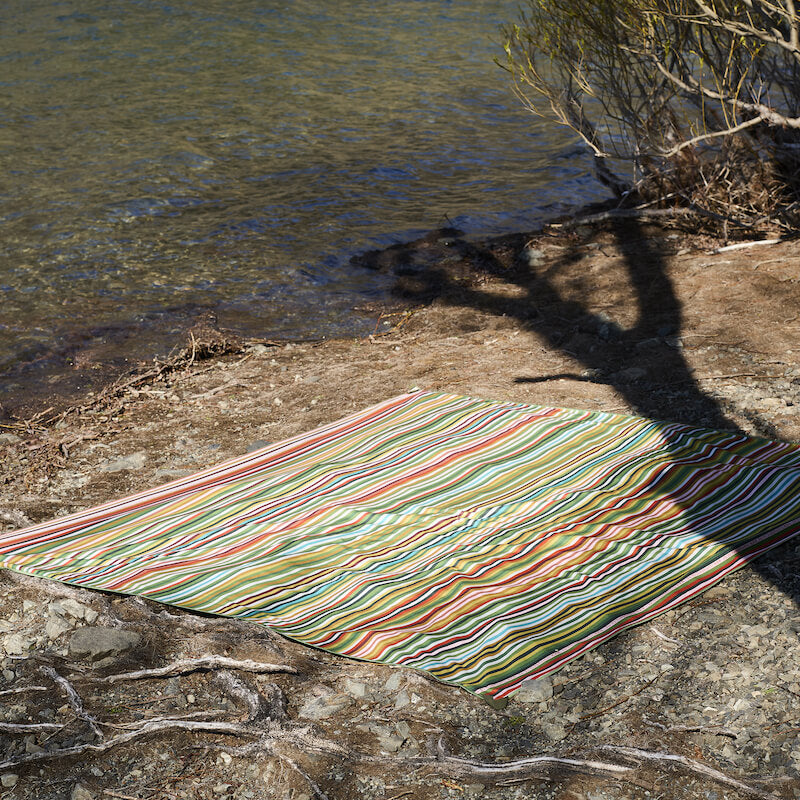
{"type": "Point", "coordinates": [698, 99]}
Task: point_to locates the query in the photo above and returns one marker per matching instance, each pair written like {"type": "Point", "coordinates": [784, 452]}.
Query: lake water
{"type": "Point", "coordinates": [163, 159]}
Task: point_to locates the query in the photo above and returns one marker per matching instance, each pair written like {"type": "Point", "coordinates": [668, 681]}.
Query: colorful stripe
{"type": "Point", "coordinates": [483, 542]}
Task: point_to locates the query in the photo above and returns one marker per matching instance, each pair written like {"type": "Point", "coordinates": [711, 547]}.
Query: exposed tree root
{"type": "Point", "coordinates": [147, 729]}
{"type": "Point", "coordinates": [74, 700]}
{"type": "Point", "coordinates": [693, 766]}
{"type": "Point", "coordinates": [186, 665]}
{"type": "Point", "coordinates": [268, 730]}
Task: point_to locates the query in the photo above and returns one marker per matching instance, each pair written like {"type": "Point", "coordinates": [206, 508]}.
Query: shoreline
{"type": "Point", "coordinates": [631, 318]}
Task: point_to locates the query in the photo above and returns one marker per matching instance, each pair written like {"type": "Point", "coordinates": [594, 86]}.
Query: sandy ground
{"type": "Point", "coordinates": [619, 316]}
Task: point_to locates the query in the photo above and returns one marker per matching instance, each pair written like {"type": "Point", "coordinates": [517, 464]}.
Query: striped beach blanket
{"type": "Point", "coordinates": [483, 542]}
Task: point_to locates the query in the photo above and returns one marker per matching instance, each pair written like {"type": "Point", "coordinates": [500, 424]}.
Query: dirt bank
{"type": "Point", "coordinates": [620, 317]}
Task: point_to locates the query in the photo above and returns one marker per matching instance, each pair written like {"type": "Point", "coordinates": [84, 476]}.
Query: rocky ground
{"type": "Point", "coordinates": [703, 702]}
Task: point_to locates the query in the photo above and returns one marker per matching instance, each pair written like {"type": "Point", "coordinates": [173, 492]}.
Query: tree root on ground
{"type": "Point", "coordinates": [186, 665]}
{"type": "Point", "coordinates": [265, 722]}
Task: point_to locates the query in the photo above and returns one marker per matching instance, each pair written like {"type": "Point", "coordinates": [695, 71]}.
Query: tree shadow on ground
{"type": "Point", "coordinates": [643, 362]}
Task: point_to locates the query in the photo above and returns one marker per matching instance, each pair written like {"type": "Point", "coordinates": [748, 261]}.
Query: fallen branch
{"type": "Point", "coordinates": [186, 665]}
{"type": "Point", "coordinates": [693, 766]}
{"type": "Point", "coordinates": [743, 245]}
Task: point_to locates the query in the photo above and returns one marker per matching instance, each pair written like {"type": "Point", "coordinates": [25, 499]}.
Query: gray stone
{"type": "Point", "coordinates": [9, 438]}
{"type": "Point", "coordinates": [393, 684]}
{"type": "Point", "coordinates": [16, 645]}
{"type": "Point", "coordinates": [95, 643]}
{"type": "Point", "coordinates": [554, 731]}
{"type": "Point", "coordinates": [80, 792]}
{"type": "Point", "coordinates": [356, 689]}
{"type": "Point", "coordinates": [132, 462]}
{"type": "Point", "coordinates": [539, 690]}
{"type": "Point", "coordinates": [323, 705]}
{"type": "Point", "coordinates": [55, 627]}
{"type": "Point", "coordinates": [73, 608]}
{"type": "Point", "coordinates": [389, 741]}
{"type": "Point", "coordinates": [534, 256]}
{"type": "Point", "coordinates": [9, 779]}
{"type": "Point", "coordinates": [258, 444]}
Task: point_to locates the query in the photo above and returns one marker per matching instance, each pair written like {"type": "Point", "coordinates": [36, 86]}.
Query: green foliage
{"type": "Point", "coordinates": [700, 98]}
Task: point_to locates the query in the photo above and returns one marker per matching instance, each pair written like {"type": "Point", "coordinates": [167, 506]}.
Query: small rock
{"type": "Point", "coordinates": [28, 606]}
{"type": "Point", "coordinates": [132, 462]}
{"type": "Point", "coordinates": [258, 444]}
{"type": "Point", "coordinates": [401, 701]}
{"type": "Point", "coordinates": [534, 256]}
{"type": "Point", "coordinates": [356, 689]}
{"type": "Point", "coordinates": [389, 740]}
{"type": "Point", "coordinates": [73, 608]}
{"type": "Point", "coordinates": [16, 645]}
{"type": "Point", "coordinates": [9, 674]}
{"type": "Point", "coordinates": [80, 792]}
{"type": "Point", "coordinates": [224, 759]}
{"type": "Point", "coordinates": [393, 684]}
{"type": "Point", "coordinates": [539, 690]}
{"type": "Point", "coordinates": [554, 731]}
{"type": "Point", "coordinates": [55, 626]}
{"type": "Point", "coordinates": [323, 706]}
{"type": "Point", "coordinates": [222, 788]}
{"type": "Point", "coordinates": [94, 643]}
{"type": "Point", "coordinates": [9, 779]}
{"type": "Point", "coordinates": [259, 350]}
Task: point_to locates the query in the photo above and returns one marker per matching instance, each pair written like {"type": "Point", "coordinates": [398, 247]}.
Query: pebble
{"type": "Point", "coordinates": [9, 780]}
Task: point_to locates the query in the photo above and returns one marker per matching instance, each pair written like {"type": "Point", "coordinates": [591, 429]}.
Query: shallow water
{"type": "Point", "coordinates": [164, 158]}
